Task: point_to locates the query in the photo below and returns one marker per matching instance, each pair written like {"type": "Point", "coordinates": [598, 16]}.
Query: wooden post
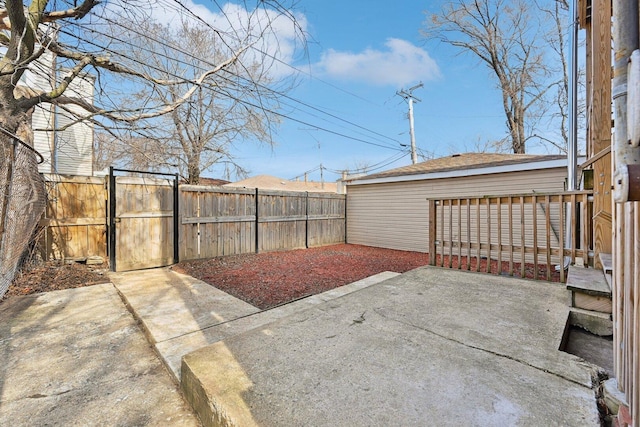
{"type": "Point", "coordinates": [478, 240]}
{"type": "Point", "coordinates": [547, 210]}
{"type": "Point", "coordinates": [522, 241]}
{"type": "Point", "coordinates": [459, 234]}
{"type": "Point", "coordinates": [600, 124]}
{"type": "Point", "coordinates": [176, 221]}
{"type": "Point", "coordinates": [112, 219]}
{"type": "Point", "coordinates": [432, 231]}
{"type": "Point", "coordinates": [488, 234]}
{"type": "Point", "coordinates": [534, 213]}
{"type": "Point", "coordinates": [499, 207]}
{"type": "Point", "coordinates": [468, 234]}
{"type": "Point", "coordinates": [510, 214]}
{"type": "Point", "coordinates": [257, 236]}
{"type": "Point", "coordinates": [306, 220]}
{"type": "Point", "coordinates": [561, 236]}
{"type": "Point", "coordinates": [450, 233]}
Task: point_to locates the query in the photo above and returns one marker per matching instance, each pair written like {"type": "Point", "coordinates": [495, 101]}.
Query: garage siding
{"type": "Point", "coordinates": [395, 215]}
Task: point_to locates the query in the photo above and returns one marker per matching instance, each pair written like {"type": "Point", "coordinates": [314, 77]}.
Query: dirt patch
{"type": "Point", "coordinates": [55, 275]}
{"type": "Point", "coordinates": [268, 279]}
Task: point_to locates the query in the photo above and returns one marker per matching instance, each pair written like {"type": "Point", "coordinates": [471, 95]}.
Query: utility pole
{"type": "Point", "coordinates": [408, 95]}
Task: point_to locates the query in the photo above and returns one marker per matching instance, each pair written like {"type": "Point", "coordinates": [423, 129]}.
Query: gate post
{"type": "Point", "coordinates": [112, 220]}
{"type": "Point", "coordinates": [176, 220]}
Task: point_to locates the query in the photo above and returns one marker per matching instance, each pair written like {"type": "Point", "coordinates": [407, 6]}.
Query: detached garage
{"type": "Point", "coordinates": [390, 209]}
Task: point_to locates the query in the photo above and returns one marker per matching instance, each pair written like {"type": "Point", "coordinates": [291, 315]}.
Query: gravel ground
{"type": "Point", "coordinates": [269, 279]}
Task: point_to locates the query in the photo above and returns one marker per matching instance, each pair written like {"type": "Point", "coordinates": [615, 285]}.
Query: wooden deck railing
{"type": "Point", "coordinates": [521, 235]}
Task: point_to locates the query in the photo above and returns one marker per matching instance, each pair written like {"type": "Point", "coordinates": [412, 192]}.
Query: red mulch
{"type": "Point", "coordinates": [269, 279]}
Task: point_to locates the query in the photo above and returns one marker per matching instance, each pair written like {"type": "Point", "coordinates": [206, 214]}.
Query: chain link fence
{"type": "Point", "coordinates": [22, 203]}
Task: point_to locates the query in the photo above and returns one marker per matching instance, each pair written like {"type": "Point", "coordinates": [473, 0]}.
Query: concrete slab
{"type": "Point", "coordinates": [170, 304]}
{"type": "Point", "coordinates": [430, 346]}
{"type": "Point", "coordinates": [77, 357]}
{"type": "Point", "coordinates": [172, 350]}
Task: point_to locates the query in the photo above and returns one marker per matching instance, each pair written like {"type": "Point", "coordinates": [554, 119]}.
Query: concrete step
{"type": "Point", "coordinates": [595, 322]}
{"type": "Point", "coordinates": [589, 289]}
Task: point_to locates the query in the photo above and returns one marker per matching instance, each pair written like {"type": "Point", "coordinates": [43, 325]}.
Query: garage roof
{"type": "Point", "coordinates": [465, 164]}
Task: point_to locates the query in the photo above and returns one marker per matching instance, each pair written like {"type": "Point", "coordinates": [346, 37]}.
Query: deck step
{"type": "Point", "coordinates": [607, 263]}
{"type": "Point", "coordinates": [589, 289]}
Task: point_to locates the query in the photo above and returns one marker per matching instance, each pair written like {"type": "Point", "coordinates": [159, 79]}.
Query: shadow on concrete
{"type": "Point", "coordinates": [77, 357]}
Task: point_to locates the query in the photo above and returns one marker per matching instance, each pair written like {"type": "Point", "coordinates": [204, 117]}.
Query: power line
{"type": "Point", "coordinates": [242, 101]}
{"type": "Point", "coordinates": [377, 166]}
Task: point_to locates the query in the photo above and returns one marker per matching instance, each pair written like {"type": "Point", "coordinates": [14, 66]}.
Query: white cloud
{"type": "Point", "coordinates": [275, 35]}
{"type": "Point", "coordinates": [400, 64]}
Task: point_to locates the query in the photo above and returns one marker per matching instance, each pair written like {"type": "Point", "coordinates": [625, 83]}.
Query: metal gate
{"type": "Point", "coordinates": [143, 220]}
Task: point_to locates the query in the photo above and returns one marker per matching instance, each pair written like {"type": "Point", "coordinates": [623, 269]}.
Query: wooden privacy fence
{"type": "Point", "coordinates": [213, 221]}
{"type": "Point", "coordinates": [75, 221]}
{"type": "Point", "coordinates": [220, 221]}
{"type": "Point", "coordinates": [522, 235]}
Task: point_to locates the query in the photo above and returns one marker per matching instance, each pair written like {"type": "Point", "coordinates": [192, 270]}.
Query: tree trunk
{"type": "Point", "coordinates": [193, 170]}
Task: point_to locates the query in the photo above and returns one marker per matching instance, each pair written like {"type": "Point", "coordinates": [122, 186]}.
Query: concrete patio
{"type": "Point", "coordinates": [447, 347]}
{"type": "Point", "coordinates": [428, 346]}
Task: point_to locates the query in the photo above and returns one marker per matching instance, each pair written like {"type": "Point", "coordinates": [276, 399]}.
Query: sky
{"type": "Point", "coordinates": [359, 55]}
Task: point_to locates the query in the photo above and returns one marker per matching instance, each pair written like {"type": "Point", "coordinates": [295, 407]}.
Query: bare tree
{"type": "Point", "coordinates": [236, 105]}
{"type": "Point", "coordinates": [509, 38]}
{"type": "Point", "coordinates": [76, 34]}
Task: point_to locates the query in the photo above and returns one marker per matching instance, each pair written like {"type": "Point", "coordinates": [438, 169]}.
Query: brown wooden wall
{"type": "Point", "coordinates": [225, 221]}
{"type": "Point", "coordinates": [75, 220]}
{"type": "Point", "coordinates": [213, 221]}
{"type": "Point", "coordinates": [598, 70]}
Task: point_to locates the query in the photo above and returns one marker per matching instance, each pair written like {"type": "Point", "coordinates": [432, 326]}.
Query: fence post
{"type": "Point", "coordinates": [345, 218]}
{"type": "Point", "coordinates": [257, 224]}
{"type": "Point", "coordinates": [176, 220]}
{"type": "Point", "coordinates": [432, 231]}
{"type": "Point", "coordinates": [306, 220]}
{"type": "Point", "coordinates": [112, 220]}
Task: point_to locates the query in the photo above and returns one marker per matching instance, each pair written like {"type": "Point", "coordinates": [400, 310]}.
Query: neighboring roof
{"type": "Point", "coordinates": [268, 182]}
{"type": "Point", "coordinates": [212, 181]}
{"type": "Point", "coordinates": [464, 165]}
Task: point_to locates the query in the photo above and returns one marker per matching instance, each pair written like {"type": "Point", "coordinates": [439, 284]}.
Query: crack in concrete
{"type": "Point", "coordinates": [506, 356]}
{"type": "Point", "coordinates": [40, 396]}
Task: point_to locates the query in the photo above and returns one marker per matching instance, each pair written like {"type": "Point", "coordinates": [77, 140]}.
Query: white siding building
{"type": "Point", "coordinates": [68, 151]}
{"type": "Point", "coordinates": [390, 209]}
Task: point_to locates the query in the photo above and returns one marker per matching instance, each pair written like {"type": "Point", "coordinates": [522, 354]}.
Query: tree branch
{"type": "Point", "coordinates": [76, 12]}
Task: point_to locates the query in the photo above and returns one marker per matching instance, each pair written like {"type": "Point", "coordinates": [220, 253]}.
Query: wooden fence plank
{"type": "Point", "coordinates": [547, 220]}
{"type": "Point", "coordinates": [561, 238]}
{"type": "Point", "coordinates": [510, 211]}
{"type": "Point", "coordinates": [499, 207]}
{"type": "Point", "coordinates": [534, 215]}
{"type": "Point", "coordinates": [432, 231]}
{"type": "Point", "coordinates": [534, 228]}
